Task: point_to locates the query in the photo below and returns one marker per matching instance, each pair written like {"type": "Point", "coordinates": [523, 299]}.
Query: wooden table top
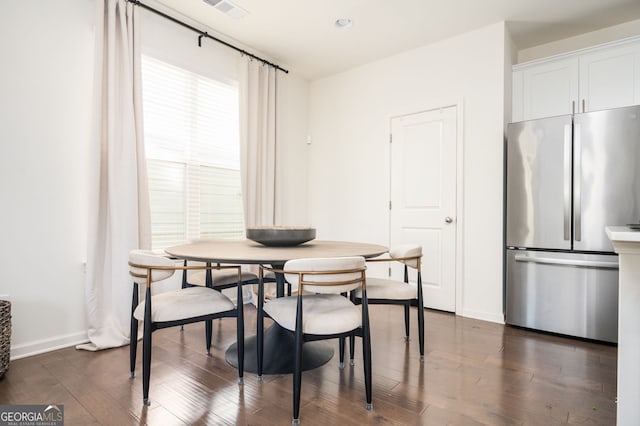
{"type": "Point", "coordinates": [247, 251]}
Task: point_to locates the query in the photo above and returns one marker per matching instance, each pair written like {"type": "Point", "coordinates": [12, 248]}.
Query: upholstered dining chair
{"type": "Point", "coordinates": [386, 291]}
{"type": "Point", "coordinates": [319, 311]}
{"type": "Point", "coordinates": [219, 279]}
{"type": "Point", "coordinates": [173, 308]}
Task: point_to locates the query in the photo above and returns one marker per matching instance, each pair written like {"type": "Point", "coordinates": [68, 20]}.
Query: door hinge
{"type": "Point", "coordinates": [390, 138]}
{"type": "Point", "coordinates": [389, 271]}
{"type": "Point", "coordinates": [389, 204]}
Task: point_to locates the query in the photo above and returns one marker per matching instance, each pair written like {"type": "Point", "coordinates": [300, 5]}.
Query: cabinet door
{"type": "Point", "coordinates": [550, 89]}
{"type": "Point", "coordinates": [610, 78]}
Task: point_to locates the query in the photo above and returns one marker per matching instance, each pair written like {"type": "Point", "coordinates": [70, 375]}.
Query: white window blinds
{"type": "Point", "coordinates": [193, 155]}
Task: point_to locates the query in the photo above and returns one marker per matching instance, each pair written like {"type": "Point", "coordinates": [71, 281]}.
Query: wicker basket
{"type": "Point", "coordinates": [5, 336]}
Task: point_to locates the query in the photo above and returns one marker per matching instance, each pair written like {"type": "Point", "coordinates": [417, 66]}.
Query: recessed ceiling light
{"type": "Point", "coordinates": [343, 23]}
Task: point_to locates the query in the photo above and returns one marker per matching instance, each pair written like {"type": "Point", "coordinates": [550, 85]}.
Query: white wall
{"type": "Point", "coordinates": [349, 155]}
{"type": "Point", "coordinates": [45, 122]}
{"type": "Point", "coordinates": [45, 105]}
{"type": "Point", "coordinates": [292, 150]}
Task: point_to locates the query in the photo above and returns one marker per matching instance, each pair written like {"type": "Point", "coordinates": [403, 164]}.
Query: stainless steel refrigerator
{"type": "Point", "coordinates": [567, 178]}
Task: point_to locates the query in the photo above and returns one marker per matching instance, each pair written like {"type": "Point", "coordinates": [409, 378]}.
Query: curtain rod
{"type": "Point", "coordinates": [205, 34]}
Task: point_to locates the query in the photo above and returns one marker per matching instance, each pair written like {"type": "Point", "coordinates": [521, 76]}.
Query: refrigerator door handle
{"type": "Point", "coordinates": [567, 182]}
{"type": "Point", "coordinates": [567, 262]}
{"type": "Point", "coordinates": [577, 195]}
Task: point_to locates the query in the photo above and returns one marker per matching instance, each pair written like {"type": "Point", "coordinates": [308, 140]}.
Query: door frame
{"type": "Point", "coordinates": [459, 222]}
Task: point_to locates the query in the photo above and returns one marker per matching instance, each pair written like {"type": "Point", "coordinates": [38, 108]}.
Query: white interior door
{"type": "Point", "coordinates": [423, 198]}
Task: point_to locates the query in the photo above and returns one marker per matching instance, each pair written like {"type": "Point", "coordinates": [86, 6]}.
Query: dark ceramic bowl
{"type": "Point", "coordinates": [281, 236]}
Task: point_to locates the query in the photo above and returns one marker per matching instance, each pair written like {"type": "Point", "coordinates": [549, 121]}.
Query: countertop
{"type": "Point", "coordinates": [622, 233]}
{"type": "Point", "coordinates": [626, 243]}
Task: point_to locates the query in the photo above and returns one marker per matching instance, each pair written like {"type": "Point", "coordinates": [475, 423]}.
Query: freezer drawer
{"type": "Point", "coordinates": [566, 293]}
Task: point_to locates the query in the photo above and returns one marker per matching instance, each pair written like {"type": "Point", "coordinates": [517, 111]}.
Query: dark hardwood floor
{"type": "Point", "coordinates": [474, 373]}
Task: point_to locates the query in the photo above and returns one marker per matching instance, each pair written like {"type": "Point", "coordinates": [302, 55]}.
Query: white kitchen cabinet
{"type": "Point", "coordinates": [545, 90]}
{"type": "Point", "coordinates": [610, 78]}
{"type": "Point", "coordinates": [589, 80]}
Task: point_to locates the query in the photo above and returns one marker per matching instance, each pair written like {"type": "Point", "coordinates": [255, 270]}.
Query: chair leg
{"type": "Point", "coordinates": [406, 306]}
{"type": "Point", "coordinates": [352, 350]}
{"type": "Point", "coordinates": [208, 324]}
{"type": "Point", "coordinates": [406, 322]}
{"type": "Point", "coordinates": [133, 337]}
{"type": "Point", "coordinates": [184, 276]}
{"type": "Point", "coordinates": [352, 339]}
{"type": "Point", "coordinates": [146, 348]}
{"type": "Point", "coordinates": [297, 373]}
{"type": "Point", "coordinates": [366, 349]}
{"type": "Point", "coordinates": [208, 332]}
{"type": "Point", "coordinates": [240, 334]}
{"type": "Point", "coordinates": [260, 329]}
{"type": "Point", "coordinates": [184, 285]}
{"type": "Point", "coordinates": [420, 317]}
{"type": "Point", "coordinates": [341, 345]}
{"type": "Point", "coordinates": [366, 352]}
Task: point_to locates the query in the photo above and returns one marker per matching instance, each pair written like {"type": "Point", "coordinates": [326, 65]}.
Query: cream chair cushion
{"type": "Point", "coordinates": [149, 258]}
{"type": "Point", "coordinates": [325, 265]}
{"type": "Point", "coordinates": [406, 250]}
{"type": "Point", "coordinates": [322, 313]}
{"type": "Point", "coordinates": [381, 288]}
{"type": "Point", "coordinates": [185, 303]}
{"type": "Point", "coordinates": [384, 288]}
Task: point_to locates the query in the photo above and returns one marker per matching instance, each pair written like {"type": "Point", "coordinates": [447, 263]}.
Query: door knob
{"type": "Point", "coordinates": [448, 219]}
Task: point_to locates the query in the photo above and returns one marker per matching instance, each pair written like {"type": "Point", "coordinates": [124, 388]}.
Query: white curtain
{"type": "Point", "coordinates": [258, 141]}
{"type": "Point", "coordinates": [257, 148]}
{"type": "Point", "coordinates": [119, 214]}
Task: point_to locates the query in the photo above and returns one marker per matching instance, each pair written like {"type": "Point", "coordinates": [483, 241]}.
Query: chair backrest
{"type": "Point", "coordinates": [332, 274]}
{"type": "Point", "coordinates": [411, 254]}
{"type": "Point", "coordinates": [140, 260]}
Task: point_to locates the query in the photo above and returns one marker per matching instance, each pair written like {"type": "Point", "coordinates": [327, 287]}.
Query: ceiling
{"type": "Point", "coordinates": [300, 34]}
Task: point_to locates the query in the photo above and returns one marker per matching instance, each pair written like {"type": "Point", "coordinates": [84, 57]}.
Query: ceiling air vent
{"type": "Point", "coordinates": [228, 7]}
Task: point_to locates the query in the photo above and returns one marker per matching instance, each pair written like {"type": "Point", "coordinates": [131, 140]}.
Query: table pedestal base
{"type": "Point", "coordinates": [279, 352]}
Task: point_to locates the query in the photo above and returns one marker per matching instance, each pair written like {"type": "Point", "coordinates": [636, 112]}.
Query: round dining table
{"type": "Point", "coordinates": [278, 355]}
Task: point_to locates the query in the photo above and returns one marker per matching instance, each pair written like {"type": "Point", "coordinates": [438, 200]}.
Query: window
{"type": "Point", "coordinates": [193, 155]}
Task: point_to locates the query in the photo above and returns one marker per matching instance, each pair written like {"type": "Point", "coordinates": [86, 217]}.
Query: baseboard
{"type": "Point", "coordinates": [484, 316]}
{"type": "Point", "coordinates": [47, 345]}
